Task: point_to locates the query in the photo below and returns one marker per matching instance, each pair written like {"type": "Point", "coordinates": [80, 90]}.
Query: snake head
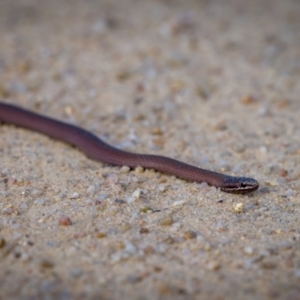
{"type": "Point", "coordinates": [239, 185]}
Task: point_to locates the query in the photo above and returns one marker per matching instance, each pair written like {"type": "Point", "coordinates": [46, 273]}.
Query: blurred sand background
{"type": "Point", "coordinates": [212, 83]}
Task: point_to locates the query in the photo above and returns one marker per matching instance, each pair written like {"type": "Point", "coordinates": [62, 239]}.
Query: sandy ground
{"type": "Point", "coordinates": [212, 83]}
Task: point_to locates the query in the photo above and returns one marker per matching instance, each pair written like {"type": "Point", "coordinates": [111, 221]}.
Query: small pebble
{"type": "Point", "coordinates": [139, 170]}
{"type": "Point", "coordinates": [46, 264]}
{"type": "Point", "coordinates": [165, 289]}
{"type": "Point", "coordinates": [36, 193]}
{"type": "Point", "coordinates": [58, 197]}
{"type": "Point", "coordinates": [101, 235]}
{"type": "Point", "coordinates": [123, 75]}
{"type": "Point", "coordinates": [248, 250]}
{"type": "Point", "coordinates": [239, 208]}
{"type": "Point", "coordinates": [169, 240]}
{"type": "Point", "coordinates": [290, 193]}
{"type": "Point", "coordinates": [203, 185]}
{"type": "Point", "coordinates": [207, 247]}
{"type": "Point", "coordinates": [130, 199]}
{"type": "Point", "coordinates": [249, 100]}
{"type": "Point", "coordinates": [157, 131]}
{"type": "Point", "coordinates": [221, 126]}
{"type": "Point", "coordinates": [283, 103]}
{"type": "Point", "coordinates": [75, 195]}
{"type": "Point", "coordinates": [271, 182]}
{"type": "Point", "coordinates": [69, 110]}
{"type": "Point", "coordinates": [120, 201]}
{"type": "Point", "coordinates": [76, 272]}
{"type": "Point", "coordinates": [11, 210]}
{"type": "Point", "coordinates": [134, 278]}
{"type": "Point", "coordinates": [283, 173]}
{"type": "Point", "coordinates": [4, 91]}
{"type": "Point", "coordinates": [144, 230]}
{"type": "Point", "coordinates": [64, 221]}
{"type": "Point", "coordinates": [23, 206]}
{"type": "Point", "coordinates": [189, 234]}
{"type": "Point", "coordinates": [239, 148]}
{"type": "Point", "coordinates": [91, 189]}
{"type": "Point", "coordinates": [178, 203]}
{"type": "Point", "coordinates": [120, 245]}
{"type": "Point", "coordinates": [162, 188]}
{"type": "Point", "coordinates": [149, 250]}
{"type": "Point", "coordinates": [166, 221]}
{"type": "Point", "coordinates": [126, 226]}
{"type": "Point", "coordinates": [130, 248]}
{"type": "Point", "coordinates": [213, 266]}
{"type": "Point", "coordinates": [263, 150]}
{"type": "Point", "coordinates": [25, 257]}
{"type": "Point", "coordinates": [124, 170]}
{"type": "Point", "coordinates": [221, 226]}
{"type": "Point", "coordinates": [146, 210]}
{"type": "Point", "coordinates": [269, 265]}
{"type": "Point", "coordinates": [2, 242]}
{"type": "Point", "coordinates": [201, 92]}
{"type": "Point", "coordinates": [137, 194]}
{"type": "Point", "coordinates": [112, 179]}
{"type": "Point", "coordinates": [176, 226]}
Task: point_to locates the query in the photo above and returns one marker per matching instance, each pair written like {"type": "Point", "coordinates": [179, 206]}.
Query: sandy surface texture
{"type": "Point", "coordinates": [211, 83]}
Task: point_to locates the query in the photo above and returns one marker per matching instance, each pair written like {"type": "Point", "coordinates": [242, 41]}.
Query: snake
{"type": "Point", "coordinates": [98, 150]}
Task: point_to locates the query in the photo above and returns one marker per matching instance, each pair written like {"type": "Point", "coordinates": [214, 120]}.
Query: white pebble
{"type": "Point", "coordinates": [112, 179]}
{"type": "Point", "coordinates": [178, 203]}
{"type": "Point", "coordinates": [90, 201]}
{"type": "Point", "coordinates": [130, 199]}
{"type": "Point", "coordinates": [162, 188]}
{"type": "Point", "coordinates": [290, 193]}
{"type": "Point", "coordinates": [263, 150]}
{"type": "Point", "coordinates": [248, 250]}
{"type": "Point", "coordinates": [239, 208]}
{"type": "Point", "coordinates": [130, 248]}
{"type": "Point", "coordinates": [139, 170]}
{"type": "Point", "coordinates": [175, 227]}
{"type": "Point", "coordinates": [204, 185]}
{"type": "Point", "coordinates": [124, 170]}
{"type": "Point", "coordinates": [137, 194]}
{"type": "Point", "coordinates": [75, 195]}
{"type": "Point", "coordinates": [24, 206]}
{"type": "Point", "coordinates": [272, 182]}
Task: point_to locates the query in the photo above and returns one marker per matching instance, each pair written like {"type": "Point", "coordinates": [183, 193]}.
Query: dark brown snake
{"type": "Point", "coordinates": [98, 150]}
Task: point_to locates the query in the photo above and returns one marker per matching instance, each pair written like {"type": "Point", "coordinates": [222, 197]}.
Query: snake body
{"type": "Point", "coordinates": [98, 150]}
